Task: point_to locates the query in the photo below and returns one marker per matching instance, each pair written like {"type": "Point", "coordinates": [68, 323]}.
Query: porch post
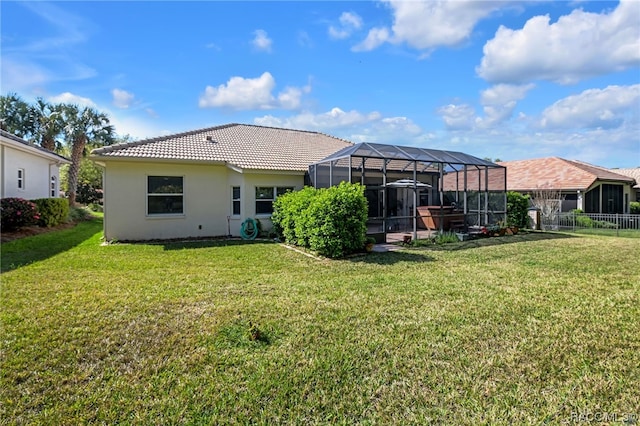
{"type": "Point", "coordinates": [441, 190]}
{"type": "Point", "coordinates": [486, 194]}
{"type": "Point", "coordinates": [415, 200]}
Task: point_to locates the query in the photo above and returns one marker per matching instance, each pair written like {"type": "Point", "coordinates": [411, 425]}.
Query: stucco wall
{"type": "Point", "coordinates": [251, 180]}
{"type": "Point", "coordinates": [207, 200]}
{"type": "Point", "coordinates": [37, 174]}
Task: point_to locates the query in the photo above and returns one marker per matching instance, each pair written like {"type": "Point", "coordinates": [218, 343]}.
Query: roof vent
{"type": "Point", "coordinates": [209, 138]}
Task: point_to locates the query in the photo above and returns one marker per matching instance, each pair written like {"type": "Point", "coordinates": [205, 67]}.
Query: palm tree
{"type": "Point", "coordinates": [14, 115]}
{"type": "Point", "coordinates": [46, 122]}
{"type": "Point", "coordinates": [83, 126]}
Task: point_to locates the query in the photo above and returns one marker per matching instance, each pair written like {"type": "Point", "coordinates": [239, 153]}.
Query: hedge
{"type": "Point", "coordinates": [52, 211]}
{"type": "Point", "coordinates": [517, 209]}
{"type": "Point", "coordinates": [16, 213]}
{"type": "Point", "coordinates": [331, 222]}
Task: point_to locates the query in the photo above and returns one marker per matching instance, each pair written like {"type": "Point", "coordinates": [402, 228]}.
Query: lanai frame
{"type": "Point", "coordinates": [472, 187]}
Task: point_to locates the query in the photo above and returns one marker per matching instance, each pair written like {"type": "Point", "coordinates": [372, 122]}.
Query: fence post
{"type": "Point", "coordinates": [617, 225]}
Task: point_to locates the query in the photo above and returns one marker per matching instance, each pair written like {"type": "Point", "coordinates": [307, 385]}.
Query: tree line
{"type": "Point", "coordinates": [66, 129]}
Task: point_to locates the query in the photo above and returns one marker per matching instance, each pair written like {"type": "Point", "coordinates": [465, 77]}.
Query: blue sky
{"type": "Point", "coordinates": [501, 79]}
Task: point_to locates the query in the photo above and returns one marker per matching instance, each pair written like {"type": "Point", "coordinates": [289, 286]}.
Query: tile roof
{"type": "Point", "coordinates": [633, 172]}
{"type": "Point", "coordinates": [242, 145]}
{"type": "Point", "coordinates": [556, 173]}
{"type": "Point", "coordinates": [34, 148]}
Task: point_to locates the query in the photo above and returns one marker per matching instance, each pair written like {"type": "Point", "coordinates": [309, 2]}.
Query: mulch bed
{"type": "Point", "coordinates": [30, 231]}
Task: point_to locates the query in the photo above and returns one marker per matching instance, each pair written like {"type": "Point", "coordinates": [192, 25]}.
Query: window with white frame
{"type": "Point", "coordinates": [165, 195]}
{"type": "Point", "coordinates": [266, 195]}
{"type": "Point", "coordinates": [235, 201]}
{"type": "Point", "coordinates": [53, 187]}
{"type": "Point", "coordinates": [20, 178]}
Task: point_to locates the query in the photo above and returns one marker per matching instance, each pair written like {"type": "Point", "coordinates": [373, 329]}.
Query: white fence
{"type": "Point", "coordinates": [591, 221]}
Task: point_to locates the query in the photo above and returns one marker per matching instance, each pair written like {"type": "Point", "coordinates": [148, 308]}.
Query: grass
{"type": "Point", "coordinates": [529, 329]}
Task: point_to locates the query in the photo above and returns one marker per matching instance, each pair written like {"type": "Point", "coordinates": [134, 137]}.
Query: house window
{"type": "Point", "coordinates": [53, 186]}
{"type": "Point", "coordinates": [266, 195]}
{"type": "Point", "coordinates": [165, 195]}
{"type": "Point", "coordinates": [20, 178]}
{"type": "Point", "coordinates": [235, 201]}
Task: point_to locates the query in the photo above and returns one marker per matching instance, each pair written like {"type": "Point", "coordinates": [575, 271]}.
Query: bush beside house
{"type": "Point", "coordinates": [52, 211]}
{"type": "Point", "coordinates": [517, 209]}
{"type": "Point", "coordinates": [331, 221]}
{"type": "Point", "coordinates": [18, 213]}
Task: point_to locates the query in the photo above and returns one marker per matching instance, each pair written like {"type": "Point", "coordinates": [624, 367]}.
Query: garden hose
{"type": "Point", "coordinates": [249, 229]}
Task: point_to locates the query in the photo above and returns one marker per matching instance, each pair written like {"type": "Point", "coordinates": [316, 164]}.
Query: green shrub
{"type": "Point", "coordinates": [287, 215]}
{"type": "Point", "coordinates": [582, 220]}
{"type": "Point", "coordinates": [331, 222]}
{"type": "Point", "coordinates": [446, 237]}
{"type": "Point", "coordinates": [87, 194]}
{"type": "Point", "coordinates": [517, 209]}
{"type": "Point", "coordinates": [52, 211]}
{"type": "Point", "coordinates": [79, 214]}
{"type": "Point", "coordinates": [634, 207]}
{"type": "Point", "coordinates": [16, 213]}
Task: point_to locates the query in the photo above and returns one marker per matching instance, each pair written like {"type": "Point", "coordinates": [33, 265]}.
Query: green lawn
{"type": "Point", "coordinates": [529, 329]}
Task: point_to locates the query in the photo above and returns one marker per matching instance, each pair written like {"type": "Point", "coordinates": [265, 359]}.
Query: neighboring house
{"type": "Point", "coordinates": [632, 173]}
{"type": "Point", "coordinates": [205, 182]}
{"type": "Point", "coordinates": [584, 186]}
{"type": "Point", "coordinates": [28, 171]}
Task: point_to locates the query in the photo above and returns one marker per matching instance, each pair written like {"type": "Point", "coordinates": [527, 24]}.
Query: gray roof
{"type": "Point", "coordinates": [408, 153]}
{"type": "Point", "coordinates": [34, 148]}
{"type": "Point", "coordinates": [241, 145]}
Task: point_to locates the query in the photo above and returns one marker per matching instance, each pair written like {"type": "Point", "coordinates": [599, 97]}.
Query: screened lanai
{"type": "Point", "coordinates": [414, 190]}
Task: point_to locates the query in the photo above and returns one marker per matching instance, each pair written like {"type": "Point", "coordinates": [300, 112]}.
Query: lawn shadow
{"type": "Point", "coordinates": [392, 257]}
{"type": "Point", "coordinates": [171, 245]}
{"type": "Point", "coordinates": [24, 251]}
{"type": "Point", "coordinates": [496, 241]}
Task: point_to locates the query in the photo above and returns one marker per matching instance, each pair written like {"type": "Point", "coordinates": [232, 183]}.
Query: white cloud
{"type": "Point", "coordinates": [19, 76]}
{"type": "Point", "coordinates": [594, 108]}
{"type": "Point", "coordinates": [29, 67]}
{"type": "Point", "coordinates": [151, 112]}
{"type": "Point", "coordinates": [70, 98]}
{"type": "Point", "coordinates": [426, 25]}
{"type": "Point", "coordinates": [261, 41]}
{"type": "Point", "coordinates": [122, 98]}
{"type": "Point", "coordinates": [577, 46]}
{"type": "Point", "coordinates": [375, 38]}
{"type": "Point", "coordinates": [241, 93]}
{"type": "Point", "coordinates": [304, 39]}
{"type": "Point", "coordinates": [457, 117]}
{"type": "Point", "coordinates": [349, 22]}
{"type": "Point", "coordinates": [135, 127]}
{"type": "Point", "coordinates": [500, 101]}
{"type": "Point", "coordinates": [353, 125]}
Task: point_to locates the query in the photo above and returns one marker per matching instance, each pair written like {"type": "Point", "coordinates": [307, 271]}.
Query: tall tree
{"type": "Point", "coordinates": [46, 122]}
{"type": "Point", "coordinates": [15, 116]}
{"type": "Point", "coordinates": [83, 126]}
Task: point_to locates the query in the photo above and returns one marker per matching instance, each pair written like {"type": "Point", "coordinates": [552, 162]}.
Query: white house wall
{"type": "Point", "coordinates": [207, 200]}
{"type": "Point", "coordinates": [38, 172]}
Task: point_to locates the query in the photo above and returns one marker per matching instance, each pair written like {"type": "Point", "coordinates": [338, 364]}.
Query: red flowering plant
{"type": "Point", "coordinates": [16, 213]}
